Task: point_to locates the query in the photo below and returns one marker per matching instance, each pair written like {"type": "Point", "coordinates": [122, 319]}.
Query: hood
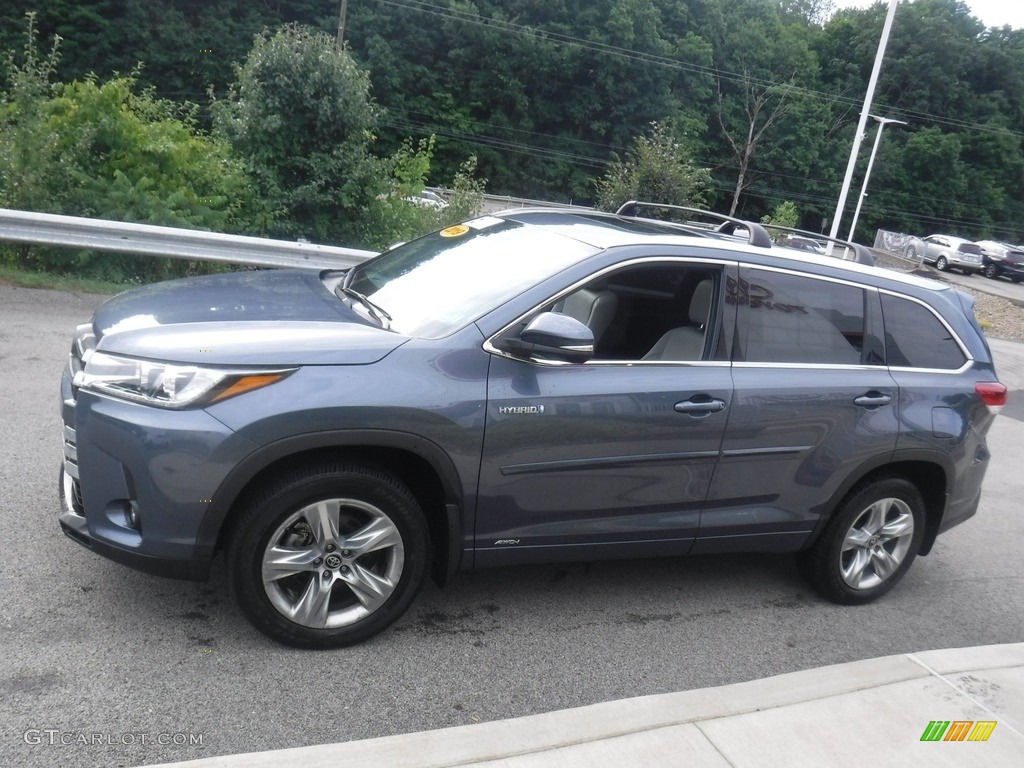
{"type": "Point", "coordinates": [287, 294]}
{"type": "Point", "coordinates": [278, 317]}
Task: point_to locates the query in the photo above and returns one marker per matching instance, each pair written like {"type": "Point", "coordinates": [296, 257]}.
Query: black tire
{"type": "Point", "coordinates": [353, 550]}
{"type": "Point", "coordinates": [857, 559]}
{"type": "Point", "coordinates": [991, 272]}
{"type": "Point", "coordinates": [911, 252]}
{"type": "Point", "coordinates": [968, 272]}
{"type": "Point", "coordinates": [941, 264]}
{"type": "Point", "coordinates": [1015, 280]}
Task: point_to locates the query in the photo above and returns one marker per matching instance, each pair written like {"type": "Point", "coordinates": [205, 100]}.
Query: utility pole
{"type": "Point", "coordinates": [861, 125]}
{"type": "Point", "coordinates": [882, 122]}
{"type": "Point", "coordinates": [341, 23]}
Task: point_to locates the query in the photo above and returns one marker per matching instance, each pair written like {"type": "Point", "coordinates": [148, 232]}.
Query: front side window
{"type": "Point", "coordinates": [654, 312]}
{"type": "Point", "coordinates": [916, 338]}
{"type": "Point", "coordinates": [787, 318]}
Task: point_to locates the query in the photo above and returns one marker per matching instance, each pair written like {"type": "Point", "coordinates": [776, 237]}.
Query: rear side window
{"type": "Point", "coordinates": [788, 318]}
{"type": "Point", "coordinates": [916, 338]}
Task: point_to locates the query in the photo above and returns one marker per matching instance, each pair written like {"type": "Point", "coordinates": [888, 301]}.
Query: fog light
{"type": "Point", "coordinates": [131, 515]}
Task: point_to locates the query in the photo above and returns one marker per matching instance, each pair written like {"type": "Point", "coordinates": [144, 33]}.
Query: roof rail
{"type": "Point", "coordinates": [860, 254]}
{"type": "Point", "coordinates": [756, 234]}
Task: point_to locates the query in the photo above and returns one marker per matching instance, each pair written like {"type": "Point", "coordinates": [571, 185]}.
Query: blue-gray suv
{"type": "Point", "coordinates": [531, 386]}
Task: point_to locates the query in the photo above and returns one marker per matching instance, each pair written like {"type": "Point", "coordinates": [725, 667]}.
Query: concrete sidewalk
{"type": "Point", "coordinates": [874, 711]}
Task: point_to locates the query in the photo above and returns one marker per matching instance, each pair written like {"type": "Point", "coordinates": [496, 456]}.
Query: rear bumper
{"type": "Point", "coordinates": [967, 266]}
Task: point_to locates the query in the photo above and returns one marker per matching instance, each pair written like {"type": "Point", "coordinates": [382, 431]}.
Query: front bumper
{"type": "Point", "coordinates": [136, 481]}
{"type": "Point", "coordinates": [73, 523]}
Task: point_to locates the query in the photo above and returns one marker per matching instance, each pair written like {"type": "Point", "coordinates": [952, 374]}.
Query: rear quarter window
{"type": "Point", "coordinates": [916, 338]}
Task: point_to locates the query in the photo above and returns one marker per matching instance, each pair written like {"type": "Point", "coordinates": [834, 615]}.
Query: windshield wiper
{"type": "Point", "coordinates": [378, 313]}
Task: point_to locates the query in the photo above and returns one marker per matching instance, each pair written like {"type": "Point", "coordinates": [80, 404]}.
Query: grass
{"type": "Point", "coordinates": [26, 278]}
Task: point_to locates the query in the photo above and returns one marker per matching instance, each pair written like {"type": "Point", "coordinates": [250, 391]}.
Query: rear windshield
{"type": "Point", "coordinates": [969, 248]}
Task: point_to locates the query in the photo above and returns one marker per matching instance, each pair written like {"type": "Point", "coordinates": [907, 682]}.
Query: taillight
{"type": "Point", "coordinates": [992, 393]}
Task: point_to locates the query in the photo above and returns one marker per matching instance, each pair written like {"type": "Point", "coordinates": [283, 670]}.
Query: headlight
{"type": "Point", "coordinates": [169, 385]}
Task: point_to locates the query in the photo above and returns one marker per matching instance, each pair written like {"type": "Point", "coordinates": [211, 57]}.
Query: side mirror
{"type": "Point", "coordinates": [554, 336]}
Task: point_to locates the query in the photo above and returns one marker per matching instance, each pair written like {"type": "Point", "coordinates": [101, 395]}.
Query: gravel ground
{"type": "Point", "coordinates": [999, 317]}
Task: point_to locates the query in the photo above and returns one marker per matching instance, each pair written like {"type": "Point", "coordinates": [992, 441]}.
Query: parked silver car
{"type": "Point", "coordinates": [945, 252]}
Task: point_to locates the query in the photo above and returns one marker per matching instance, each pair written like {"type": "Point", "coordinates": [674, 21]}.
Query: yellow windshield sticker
{"type": "Point", "coordinates": [457, 231]}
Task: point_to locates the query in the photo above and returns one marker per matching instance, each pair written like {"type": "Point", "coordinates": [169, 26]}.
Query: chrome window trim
{"type": "Point", "coordinates": [687, 363]}
{"type": "Point", "coordinates": [814, 366]}
{"type": "Point", "coordinates": [722, 263]}
{"type": "Point", "coordinates": [811, 275]}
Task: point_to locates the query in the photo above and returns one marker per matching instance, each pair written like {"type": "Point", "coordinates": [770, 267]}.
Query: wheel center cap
{"type": "Point", "coordinates": [333, 561]}
{"type": "Point", "coordinates": [873, 542]}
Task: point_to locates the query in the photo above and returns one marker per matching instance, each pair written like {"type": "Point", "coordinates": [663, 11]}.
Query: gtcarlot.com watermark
{"type": "Point", "coordinates": [56, 738]}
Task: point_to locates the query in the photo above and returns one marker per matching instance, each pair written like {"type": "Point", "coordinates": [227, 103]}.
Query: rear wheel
{"type": "Point", "coordinates": [869, 543]}
{"type": "Point", "coordinates": [941, 264]}
{"type": "Point", "coordinates": [991, 272]}
{"type": "Point", "coordinates": [328, 556]}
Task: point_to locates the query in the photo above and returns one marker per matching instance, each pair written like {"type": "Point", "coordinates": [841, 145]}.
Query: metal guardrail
{"type": "Point", "coordinates": [124, 237]}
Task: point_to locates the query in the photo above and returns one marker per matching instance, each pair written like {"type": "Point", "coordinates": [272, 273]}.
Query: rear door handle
{"type": "Point", "coordinates": [696, 407]}
{"type": "Point", "coordinates": [873, 399]}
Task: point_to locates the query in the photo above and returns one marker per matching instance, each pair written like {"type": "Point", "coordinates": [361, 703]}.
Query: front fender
{"type": "Point", "coordinates": [235, 483]}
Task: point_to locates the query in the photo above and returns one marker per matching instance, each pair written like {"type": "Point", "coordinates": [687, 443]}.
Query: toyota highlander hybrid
{"type": "Point", "coordinates": [527, 387]}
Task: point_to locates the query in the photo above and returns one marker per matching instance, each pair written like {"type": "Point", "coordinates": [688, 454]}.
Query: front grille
{"type": "Point", "coordinates": [70, 452]}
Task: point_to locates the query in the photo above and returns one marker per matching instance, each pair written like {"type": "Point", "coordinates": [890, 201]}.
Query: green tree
{"type": "Point", "coordinates": [395, 216]}
{"type": "Point", "coordinates": [783, 215]}
{"type": "Point", "coordinates": [301, 117]}
{"type": "Point", "coordinates": [656, 168]}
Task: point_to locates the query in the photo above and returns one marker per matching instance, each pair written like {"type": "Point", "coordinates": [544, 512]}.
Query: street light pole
{"type": "Point", "coordinates": [861, 124]}
{"type": "Point", "coordinates": [882, 122]}
{"type": "Point", "coordinates": [342, 12]}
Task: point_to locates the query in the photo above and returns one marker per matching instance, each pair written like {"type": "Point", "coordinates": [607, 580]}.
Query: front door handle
{"type": "Point", "coordinates": [873, 399]}
{"type": "Point", "coordinates": [711, 405]}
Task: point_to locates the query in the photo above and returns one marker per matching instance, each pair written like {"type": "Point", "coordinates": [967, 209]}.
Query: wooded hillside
{"type": "Point", "coordinates": [764, 93]}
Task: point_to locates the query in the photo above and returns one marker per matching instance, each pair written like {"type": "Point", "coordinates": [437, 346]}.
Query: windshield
{"type": "Point", "coordinates": [443, 281]}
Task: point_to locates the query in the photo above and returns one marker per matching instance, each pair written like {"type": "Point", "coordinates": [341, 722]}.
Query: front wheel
{"type": "Point", "coordinates": [869, 544]}
{"type": "Point", "coordinates": [942, 265]}
{"type": "Point", "coordinates": [328, 556]}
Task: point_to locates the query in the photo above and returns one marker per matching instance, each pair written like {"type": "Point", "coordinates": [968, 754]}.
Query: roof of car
{"type": "Point", "coordinates": [954, 238]}
{"type": "Point", "coordinates": [605, 230]}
